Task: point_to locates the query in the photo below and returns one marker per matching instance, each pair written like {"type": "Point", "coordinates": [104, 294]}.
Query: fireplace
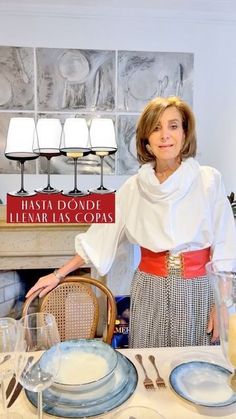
{"type": "Point", "coordinates": [27, 251]}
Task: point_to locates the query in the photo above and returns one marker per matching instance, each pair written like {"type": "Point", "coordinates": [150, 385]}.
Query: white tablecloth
{"type": "Point", "coordinates": [165, 401]}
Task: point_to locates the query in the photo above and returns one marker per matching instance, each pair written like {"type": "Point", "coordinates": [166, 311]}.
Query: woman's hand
{"type": "Point", "coordinates": [213, 325]}
{"type": "Point", "coordinates": [47, 283]}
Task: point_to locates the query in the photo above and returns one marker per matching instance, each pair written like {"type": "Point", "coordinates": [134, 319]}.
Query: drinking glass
{"type": "Point", "coordinates": [223, 278]}
{"type": "Point", "coordinates": [8, 343]}
{"type": "Point", "coordinates": [19, 146]}
{"type": "Point", "coordinates": [103, 143]}
{"type": "Point", "coordinates": [74, 145]}
{"type": "Point", "coordinates": [40, 332]}
{"type": "Point", "coordinates": [47, 144]}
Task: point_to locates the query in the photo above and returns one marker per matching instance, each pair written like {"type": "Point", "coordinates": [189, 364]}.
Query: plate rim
{"type": "Point", "coordinates": [221, 404]}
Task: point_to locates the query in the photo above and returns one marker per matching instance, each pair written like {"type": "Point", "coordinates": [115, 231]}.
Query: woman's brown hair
{"type": "Point", "coordinates": [149, 120]}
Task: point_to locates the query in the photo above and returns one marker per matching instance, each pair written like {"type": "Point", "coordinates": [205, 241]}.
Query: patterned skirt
{"type": "Point", "coordinates": [169, 311]}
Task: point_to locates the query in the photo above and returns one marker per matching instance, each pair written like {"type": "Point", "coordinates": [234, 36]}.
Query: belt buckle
{"type": "Point", "coordinates": [175, 261]}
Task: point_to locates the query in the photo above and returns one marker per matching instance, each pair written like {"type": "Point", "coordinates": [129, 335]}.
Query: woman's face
{"type": "Point", "coordinates": [167, 139]}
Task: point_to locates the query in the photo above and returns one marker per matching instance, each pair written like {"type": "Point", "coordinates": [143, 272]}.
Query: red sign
{"type": "Point", "coordinates": [58, 208]}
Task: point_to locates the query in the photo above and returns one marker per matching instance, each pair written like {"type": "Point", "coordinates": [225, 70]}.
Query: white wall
{"type": "Point", "coordinates": [209, 37]}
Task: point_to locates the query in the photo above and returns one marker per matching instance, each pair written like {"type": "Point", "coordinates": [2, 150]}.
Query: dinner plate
{"type": "Point", "coordinates": [202, 383]}
{"type": "Point", "coordinates": [113, 394]}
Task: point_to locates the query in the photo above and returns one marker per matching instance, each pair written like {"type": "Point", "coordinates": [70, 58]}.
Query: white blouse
{"type": "Point", "coordinates": [189, 211]}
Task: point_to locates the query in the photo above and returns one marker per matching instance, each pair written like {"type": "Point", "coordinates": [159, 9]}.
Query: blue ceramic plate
{"type": "Point", "coordinates": [95, 402]}
{"type": "Point", "coordinates": [202, 383]}
{"type": "Point", "coordinates": [85, 364]}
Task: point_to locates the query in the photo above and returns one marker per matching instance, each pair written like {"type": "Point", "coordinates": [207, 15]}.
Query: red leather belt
{"type": "Point", "coordinates": [191, 264]}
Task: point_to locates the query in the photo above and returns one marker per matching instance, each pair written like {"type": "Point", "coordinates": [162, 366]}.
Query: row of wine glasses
{"type": "Point", "coordinates": [22, 343]}
{"type": "Point", "coordinates": [27, 141]}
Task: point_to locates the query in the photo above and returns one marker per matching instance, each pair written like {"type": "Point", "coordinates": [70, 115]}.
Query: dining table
{"type": "Point", "coordinates": [165, 400]}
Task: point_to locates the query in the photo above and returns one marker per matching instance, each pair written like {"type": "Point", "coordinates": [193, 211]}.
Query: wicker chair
{"type": "Point", "coordinates": [76, 305]}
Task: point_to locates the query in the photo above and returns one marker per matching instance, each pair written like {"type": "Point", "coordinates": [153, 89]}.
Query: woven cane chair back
{"type": "Point", "coordinates": [75, 305]}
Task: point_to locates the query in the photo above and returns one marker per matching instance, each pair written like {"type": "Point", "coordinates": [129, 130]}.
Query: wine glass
{"type": "Point", "coordinates": [222, 274]}
{"type": "Point", "coordinates": [19, 146]}
{"type": "Point", "coordinates": [8, 341]}
{"type": "Point", "coordinates": [103, 143]}
{"type": "Point", "coordinates": [39, 332]}
{"type": "Point", "coordinates": [75, 144]}
{"type": "Point", "coordinates": [47, 144]}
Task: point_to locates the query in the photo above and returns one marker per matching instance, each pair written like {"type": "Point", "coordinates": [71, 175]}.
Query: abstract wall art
{"type": "Point", "coordinates": [56, 82]}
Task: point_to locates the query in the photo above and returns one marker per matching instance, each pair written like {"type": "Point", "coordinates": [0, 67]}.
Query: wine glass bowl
{"type": "Point", "coordinates": [74, 145]}
{"type": "Point", "coordinates": [47, 144]}
{"type": "Point", "coordinates": [39, 332]}
{"type": "Point", "coordinates": [19, 146]}
{"type": "Point", "coordinates": [103, 143]}
{"type": "Point", "coordinates": [222, 274]}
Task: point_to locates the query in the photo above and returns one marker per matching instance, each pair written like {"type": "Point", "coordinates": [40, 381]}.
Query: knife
{"type": "Point", "coordinates": [10, 386]}
{"type": "Point", "coordinates": [17, 388]}
{"type": "Point", "coordinates": [15, 394]}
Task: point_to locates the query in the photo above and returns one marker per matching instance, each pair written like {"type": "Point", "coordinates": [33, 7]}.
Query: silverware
{"type": "Point", "coordinates": [160, 382]}
{"type": "Point", "coordinates": [15, 394]}
{"type": "Point", "coordinates": [10, 386]}
{"type": "Point", "coordinates": [18, 387]}
{"type": "Point", "coordinates": [6, 358]}
{"type": "Point", "coordinates": [147, 382]}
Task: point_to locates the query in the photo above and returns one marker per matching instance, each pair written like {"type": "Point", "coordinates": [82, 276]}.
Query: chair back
{"type": "Point", "coordinates": [79, 305]}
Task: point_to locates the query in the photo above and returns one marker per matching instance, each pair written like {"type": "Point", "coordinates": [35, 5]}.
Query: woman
{"type": "Point", "coordinates": [178, 212]}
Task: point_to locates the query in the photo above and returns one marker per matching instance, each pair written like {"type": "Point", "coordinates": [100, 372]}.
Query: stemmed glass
{"type": "Point", "coordinates": [8, 343]}
{"type": "Point", "coordinates": [222, 274]}
{"type": "Point", "coordinates": [103, 143]}
{"type": "Point", "coordinates": [75, 144]}
{"type": "Point", "coordinates": [19, 146]}
{"type": "Point", "coordinates": [39, 333]}
{"type": "Point", "coordinates": [47, 144]}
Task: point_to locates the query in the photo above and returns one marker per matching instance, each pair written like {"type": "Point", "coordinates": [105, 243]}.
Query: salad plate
{"type": "Point", "coordinates": [95, 402]}
{"type": "Point", "coordinates": [202, 383]}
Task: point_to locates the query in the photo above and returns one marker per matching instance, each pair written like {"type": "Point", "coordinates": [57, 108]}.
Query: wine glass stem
{"type": "Point", "coordinates": [40, 405]}
{"type": "Point", "coordinates": [75, 173]}
{"type": "Point", "coordinates": [101, 186]}
{"type": "Point", "coordinates": [4, 401]}
{"type": "Point", "coordinates": [22, 167]}
{"type": "Point", "coordinates": [49, 171]}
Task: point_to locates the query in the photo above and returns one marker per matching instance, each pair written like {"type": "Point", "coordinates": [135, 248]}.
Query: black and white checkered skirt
{"type": "Point", "coordinates": [170, 311]}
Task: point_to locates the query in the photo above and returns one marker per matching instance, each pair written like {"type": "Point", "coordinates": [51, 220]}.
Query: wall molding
{"type": "Point", "coordinates": [73, 11]}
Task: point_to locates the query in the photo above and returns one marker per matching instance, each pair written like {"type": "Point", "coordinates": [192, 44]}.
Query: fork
{"type": "Point", "coordinates": [147, 382]}
{"type": "Point", "coordinates": [160, 382]}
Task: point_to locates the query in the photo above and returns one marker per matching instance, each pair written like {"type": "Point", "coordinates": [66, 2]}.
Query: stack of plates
{"type": "Point", "coordinates": [93, 379]}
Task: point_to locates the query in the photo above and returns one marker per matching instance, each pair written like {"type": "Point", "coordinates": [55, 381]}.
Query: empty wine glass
{"type": "Point", "coordinates": [47, 144]}
{"type": "Point", "coordinates": [75, 144]}
{"type": "Point", "coordinates": [223, 278]}
{"type": "Point", "coordinates": [19, 146]}
{"type": "Point", "coordinates": [40, 332]}
{"type": "Point", "coordinates": [8, 343]}
{"type": "Point", "coordinates": [103, 143]}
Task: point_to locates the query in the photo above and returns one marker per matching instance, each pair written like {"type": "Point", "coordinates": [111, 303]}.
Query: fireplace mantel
{"type": "Point", "coordinates": [36, 246]}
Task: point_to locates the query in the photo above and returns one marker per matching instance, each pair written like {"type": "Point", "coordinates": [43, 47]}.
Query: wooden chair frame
{"type": "Point", "coordinates": [77, 283]}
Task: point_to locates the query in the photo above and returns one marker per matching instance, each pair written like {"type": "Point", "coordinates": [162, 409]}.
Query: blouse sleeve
{"type": "Point", "coordinates": [99, 244]}
{"type": "Point", "coordinates": [224, 230]}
